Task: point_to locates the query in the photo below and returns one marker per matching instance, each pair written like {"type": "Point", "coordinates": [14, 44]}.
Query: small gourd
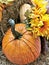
{"type": "Point", "coordinates": [23, 10]}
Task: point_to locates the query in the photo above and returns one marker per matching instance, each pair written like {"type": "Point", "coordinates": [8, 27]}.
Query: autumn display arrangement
{"type": "Point", "coordinates": [22, 42]}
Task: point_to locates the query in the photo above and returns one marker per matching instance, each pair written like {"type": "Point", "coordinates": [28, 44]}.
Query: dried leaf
{"type": "Point", "coordinates": [0, 16]}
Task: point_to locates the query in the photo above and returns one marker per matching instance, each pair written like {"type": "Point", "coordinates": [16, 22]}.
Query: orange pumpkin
{"type": "Point", "coordinates": [20, 46]}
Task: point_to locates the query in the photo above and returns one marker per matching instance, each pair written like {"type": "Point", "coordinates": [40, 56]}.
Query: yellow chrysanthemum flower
{"type": "Point", "coordinates": [33, 16]}
{"type": "Point", "coordinates": [42, 10]}
{"type": "Point", "coordinates": [40, 29]}
{"type": "Point", "coordinates": [39, 11]}
{"type": "Point", "coordinates": [36, 23]}
{"type": "Point", "coordinates": [39, 3]}
{"type": "Point", "coordinates": [45, 17]}
{"type": "Point", "coordinates": [39, 20]}
{"type": "Point", "coordinates": [40, 6]}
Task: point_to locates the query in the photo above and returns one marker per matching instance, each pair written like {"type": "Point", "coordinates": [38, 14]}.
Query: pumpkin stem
{"type": "Point", "coordinates": [16, 34]}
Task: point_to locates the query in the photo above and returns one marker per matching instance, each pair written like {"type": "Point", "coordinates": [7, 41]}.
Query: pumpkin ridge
{"type": "Point", "coordinates": [30, 49]}
{"type": "Point", "coordinates": [8, 42]}
{"type": "Point", "coordinates": [24, 32]}
{"type": "Point", "coordinates": [25, 54]}
{"type": "Point", "coordinates": [28, 52]}
{"type": "Point", "coordinates": [14, 53]}
{"type": "Point", "coordinates": [32, 38]}
{"type": "Point", "coordinates": [33, 45]}
{"type": "Point", "coordinates": [6, 45]}
{"type": "Point", "coordinates": [20, 54]}
{"type": "Point", "coordinates": [20, 51]}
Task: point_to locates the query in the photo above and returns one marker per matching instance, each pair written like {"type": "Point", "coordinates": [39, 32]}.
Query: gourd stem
{"type": "Point", "coordinates": [16, 34]}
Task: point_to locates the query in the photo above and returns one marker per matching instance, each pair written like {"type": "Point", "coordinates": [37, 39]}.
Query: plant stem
{"type": "Point", "coordinates": [16, 34]}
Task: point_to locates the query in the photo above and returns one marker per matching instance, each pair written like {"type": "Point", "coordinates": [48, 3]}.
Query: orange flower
{"type": "Point", "coordinates": [43, 31]}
